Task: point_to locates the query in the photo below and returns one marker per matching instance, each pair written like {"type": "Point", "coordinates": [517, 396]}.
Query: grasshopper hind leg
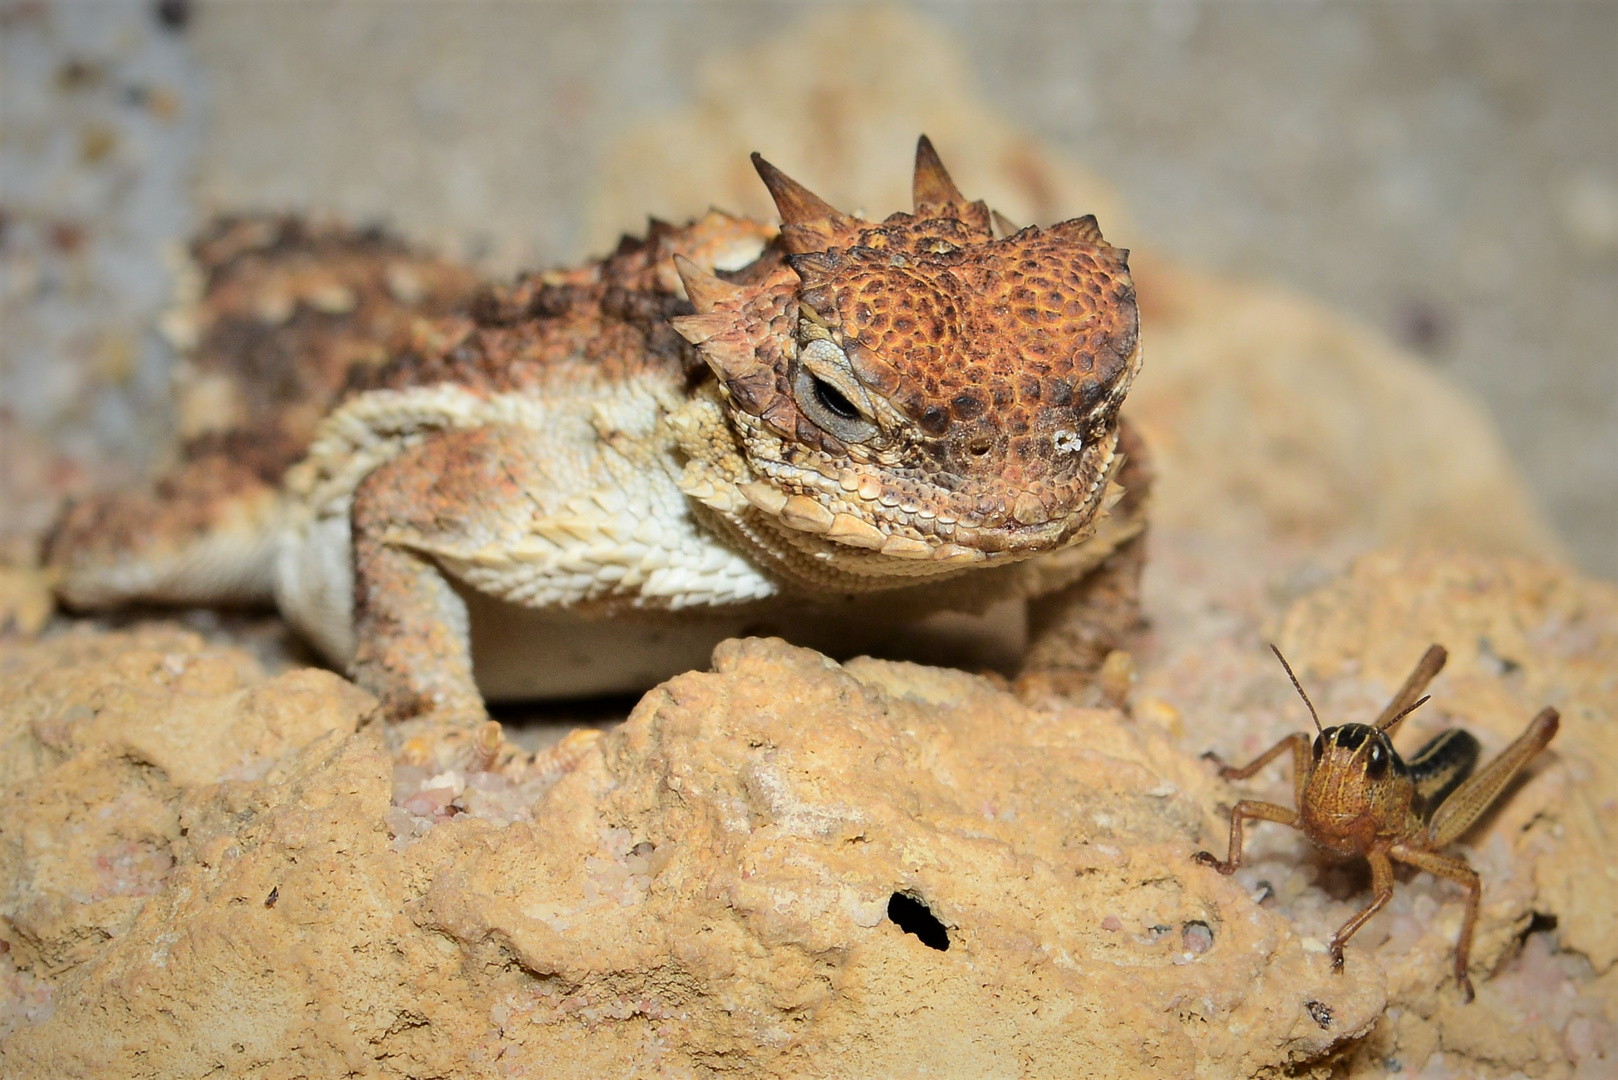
{"type": "Point", "coordinates": [1441, 766]}
{"type": "Point", "coordinates": [1456, 813]}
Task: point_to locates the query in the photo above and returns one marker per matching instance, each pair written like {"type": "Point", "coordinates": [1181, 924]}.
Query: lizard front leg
{"type": "Point", "coordinates": [412, 636]}
{"type": "Point", "coordinates": [413, 640]}
{"type": "Point", "coordinates": [1072, 631]}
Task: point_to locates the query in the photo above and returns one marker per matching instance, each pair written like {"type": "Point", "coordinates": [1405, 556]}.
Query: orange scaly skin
{"type": "Point", "coordinates": [1356, 796]}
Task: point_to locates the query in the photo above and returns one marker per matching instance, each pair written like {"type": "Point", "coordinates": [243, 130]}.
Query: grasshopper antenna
{"type": "Point", "coordinates": [1406, 711]}
{"type": "Point", "coordinates": [1432, 662]}
{"type": "Point", "coordinates": [1299, 688]}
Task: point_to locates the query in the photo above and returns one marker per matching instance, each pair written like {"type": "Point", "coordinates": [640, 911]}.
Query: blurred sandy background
{"type": "Point", "coordinates": [1446, 173]}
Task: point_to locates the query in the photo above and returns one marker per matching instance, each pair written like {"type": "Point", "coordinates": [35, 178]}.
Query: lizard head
{"type": "Point", "coordinates": [918, 388]}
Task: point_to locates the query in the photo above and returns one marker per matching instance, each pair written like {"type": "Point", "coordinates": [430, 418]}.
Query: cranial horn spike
{"type": "Point", "coordinates": [796, 204]}
{"type": "Point", "coordinates": [932, 186]}
{"type": "Point", "coordinates": [730, 360]}
{"type": "Point", "coordinates": [699, 328]}
{"type": "Point", "coordinates": [704, 289]}
{"type": "Point", "coordinates": [1083, 228]}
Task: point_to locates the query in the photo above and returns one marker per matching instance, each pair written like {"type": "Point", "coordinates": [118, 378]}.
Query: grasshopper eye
{"type": "Point", "coordinates": [1320, 746]}
{"type": "Point", "coordinates": [1377, 762]}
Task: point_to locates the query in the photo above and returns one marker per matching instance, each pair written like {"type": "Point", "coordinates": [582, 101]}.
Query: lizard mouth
{"type": "Point", "coordinates": [898, 514]}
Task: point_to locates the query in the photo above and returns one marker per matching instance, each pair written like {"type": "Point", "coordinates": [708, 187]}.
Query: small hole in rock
{"type": "Point", "coordinates": [1197, 938]}
{"type": "Point", "coordinates": [1542, 922]}
{"type": "Point", "coordinates": [911, 915]}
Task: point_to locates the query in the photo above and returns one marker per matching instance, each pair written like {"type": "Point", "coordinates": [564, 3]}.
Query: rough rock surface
{"type": "Point", "coordinates": [1520, 635]}
{"type": "Point", "coordinates": [1268, 415]}
{"type": "Point", "coordinates": [201, 871]}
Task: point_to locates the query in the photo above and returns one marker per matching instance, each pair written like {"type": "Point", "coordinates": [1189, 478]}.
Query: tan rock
{"type": "Point", "coordinates": [717, 882]}
{"type": "Point", "coordinates": [712, 887]}
{"type": "Point", "coordinates": [101, 737]}
{"type": "Point", "coordinates": [25, 601]}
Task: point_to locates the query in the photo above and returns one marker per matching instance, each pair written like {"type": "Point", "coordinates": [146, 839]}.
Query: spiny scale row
{"type": "Point", "coordinates": [807, 515]}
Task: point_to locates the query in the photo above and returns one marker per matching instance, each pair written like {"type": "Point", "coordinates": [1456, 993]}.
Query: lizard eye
{"type": "Point", "coordinates": [825, 389]}
{"type": "Point", "coordinates": [828, 396]}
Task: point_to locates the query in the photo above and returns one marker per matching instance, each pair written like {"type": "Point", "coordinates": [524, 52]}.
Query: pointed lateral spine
{"type": "Point", "coordinates": [955, 554]}
{"type": "Point", "coordinates": [762, 495]}
{"type": "Point", "coordinates": [705, 290]}
{"type": "Point", "coordinates": [850, 530]}
{"type": "Point", "coordinates": [903, 547]}
{"type": "Point", "coordinates": [806, 515]}
{"type": "Point", "coordinates": [699, 328]}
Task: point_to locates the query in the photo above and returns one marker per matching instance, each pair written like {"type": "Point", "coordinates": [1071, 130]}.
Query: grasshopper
{"type": "Point", "coordinates": [1356, 796]}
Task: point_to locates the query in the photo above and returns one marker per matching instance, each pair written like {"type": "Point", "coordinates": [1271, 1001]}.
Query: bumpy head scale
{"type": "Point", "coordinates": [917, 386]}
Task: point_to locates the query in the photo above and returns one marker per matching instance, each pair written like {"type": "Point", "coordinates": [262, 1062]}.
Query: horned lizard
{"type": "Point", "coordinates": [580, 481]}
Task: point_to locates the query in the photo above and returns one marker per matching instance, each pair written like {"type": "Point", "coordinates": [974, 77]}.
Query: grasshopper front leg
{"type": "Point", "coordinates": [1263, 811]}
{"type": "Point", "coordinates": [1382, 892]}
{"type": "Point", "coordinates": [1297, 743]}
{"type": "Point", "coordinates": [1248, 808]}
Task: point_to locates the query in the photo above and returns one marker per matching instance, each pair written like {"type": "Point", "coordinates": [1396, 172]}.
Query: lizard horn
{"type": "Point", "coordinates": [796, 204]}
{"type": "Point", "coordinates": [932, 187]}
{"type": "Point", "coordinates": [704, 289]}
{"type": "Point", "coordinates": [808, 222]}
{"type": "Point", "coordinates": [1083, 229]}
{"type": "Point", "coordinates": [699, 328]}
